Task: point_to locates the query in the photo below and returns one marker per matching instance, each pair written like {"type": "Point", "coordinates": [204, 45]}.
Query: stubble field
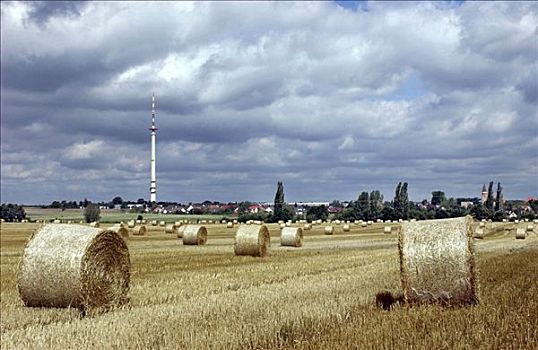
{"type": "Point", "coordinates": [320, 296]}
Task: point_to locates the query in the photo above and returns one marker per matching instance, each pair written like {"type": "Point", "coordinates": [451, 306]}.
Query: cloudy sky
{"type": "Point", "coordinates": [331, 99]}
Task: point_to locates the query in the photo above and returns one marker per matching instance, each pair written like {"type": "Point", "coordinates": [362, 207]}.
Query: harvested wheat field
{"type": "Point", "coordinates": [319, 296]}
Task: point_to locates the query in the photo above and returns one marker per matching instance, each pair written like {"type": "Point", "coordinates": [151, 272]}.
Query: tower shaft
{"type": "Point", "coordinates": [153, 175]}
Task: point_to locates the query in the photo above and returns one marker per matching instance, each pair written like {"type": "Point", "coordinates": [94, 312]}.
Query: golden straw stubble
{"type": "Point", "coordinates": [74, 266]}
{"type": "Point", "coordinates": [437, 262]}
{"type": "Point", "coordinates": [253, 240]}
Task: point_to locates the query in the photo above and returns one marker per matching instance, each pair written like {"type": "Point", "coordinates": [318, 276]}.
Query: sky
{"type": "Point", "coordinates": [331, 98]}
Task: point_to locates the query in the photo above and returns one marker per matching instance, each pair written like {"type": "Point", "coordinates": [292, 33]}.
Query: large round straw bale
{"type": "Point", "coordinates": [307, 227]}
{"type": "Point", "coordinates": [235, 222]}
{"type": "Point", "coordinates": [291, 237]}
{"type": "Point", "coordinates": [143, 221]}
{"type": "Point", "coordinates": [364, 224]}
{"type": "Point", "coordinates": [119, 229]}
{"type": "Point", "coordinates": [230, 224]}
{"type": "Point", "coordinates": [370, 222]}
{"type": "Point", "coordinates": [170, 228]}
{"type": "Point", "coordinates": [346, 228]}
{"type": "Point", "coordinates": [530, 227]}
{"type": "Point", "coordinates": [162, 223]}
{"type": "Point", "coordinates": [336, 222]}
{"type": "Point", "coordinates": [178, 223]}
{"type": "Point", "coordinates": [280, 222]}
{"type": "Point", "coordinates": [194, 235]}
{"type": "Point", "coordinates": [520, 233]}
{"type": "Point", "coordinates": [139, 230]}
{"type": "Point", "coordinates": [252, 240]}
{"type": "Point", "coordinates": [257, 222]}
{"type": "Point", "coordinates": [437, 262]}
{"type": "Point", "coordinates": [138, 222]}
{"type": "Point", "coordinates": [131, 224]}
{"type": "Point", "coordinates": [74, 266]}
{"type": "Point", "coordinates": [329, 230]}
{"type": "Point", "coordinates": [387, 229]}
{"type": "Point", "coordinates": [153, 222]}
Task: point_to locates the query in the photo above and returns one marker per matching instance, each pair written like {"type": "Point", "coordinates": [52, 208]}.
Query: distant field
{"type": "Point", "coordinates": [320, 296]}
{"type": "Point", "coordinates": [112, 215]}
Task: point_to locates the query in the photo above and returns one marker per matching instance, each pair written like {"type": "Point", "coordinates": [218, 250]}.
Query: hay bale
{"type": "Point", "coordinates": [230, 225]}
{"type": "Point", "coordinates": [482, 224]}
{"type": "Point", "coordinates": [504, 220]}
{"type": "Point", "coordinates": [139, 230]}
{"type": "Point", "coordinates": [57, 221]}
{"type": "Point", "coordinates": [143, 221]}
{"type": "Point", "coordinates": [337, 222]}
{"type": "Point", "coordinates": [235, 222]}
{"type": "Point", "coordinates": [387, 229]}
{"type": "Point", "coordinates": [369, 222]}
{"type": "Point", "coordinates": [119, 229]}
{"type": "Point", "coordinates": [131, 224]}
{"type": "Point", "coordinates": [329, 230]}
{"type": "Point", "coordinates": [153, 222]}
{"type": "Point", "coordinates": [346, 228]}
{"type": "Point", "coordinates": [94, 224]}
{"type": "Point", "coordinates": [74, 266]}
{"type": "Point", "coordinates": [479, 233]}
{"type": "Point", "coordinates": [307, 227]}
{"type": "Point", "coordinates": [291, 237]}
{"type": "Point", "coordinates": [178, 223]}
{"type": "Point", "coordinates": [180, 230]}
{"type": "Point", "coordinates": [282, 225]}
{"type": "Point", "coordinates": [530, 227]}
{"type": "Point", "coordinates": [520, 233]}
{"type": "Point", "coordinates": [252, 240]}
{"type": "Point", "coordinates": [170, 228]}
{"type": "Point", "coordinates": [364, 224]}
{"type": "Point", "coordinates": [194, 235]}
{"type": "Point", "coordinates": [162, 223]}
{"type": "Point", "coordinates": [437, 262]}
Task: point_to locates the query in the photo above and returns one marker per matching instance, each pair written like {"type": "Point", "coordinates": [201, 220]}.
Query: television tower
{"type": "Point", "coordinates": [153, 129]}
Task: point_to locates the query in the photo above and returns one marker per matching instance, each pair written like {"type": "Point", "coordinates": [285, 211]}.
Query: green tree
{"type": "Point", "coordinates": [489, 200]}
{"type": "Point", "coordinates": [92, 213]}
{"type": "Point", "coordinates": [376, 204]}
{"type": "Point", "coordinates": [317, 213]}
{"type": "Point", "coordinates": [280, 213]}
{"type": "Point", "coordinates": [438, 197]}
{"type": "Point", "coordinates": [499, 198]}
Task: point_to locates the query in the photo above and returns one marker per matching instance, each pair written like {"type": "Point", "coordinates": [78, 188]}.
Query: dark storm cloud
{"type": "Point", "coordinates": [331, 101]}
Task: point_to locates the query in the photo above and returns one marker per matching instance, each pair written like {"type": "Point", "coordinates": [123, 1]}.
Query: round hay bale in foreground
{"type": "Point", "coordinates": [74, 266]}
{"type": "Point", "coordinates": [252, 240]}
{"type": "Point", "coordinates": [387, 229]}
{"type": "Point", "coordinates": [437, 262]}
{"type": "Point", "coordinates": [119, 229]}
{"type": "Point", "coordinates": [520, 233]}
{"type": "Point", "coordinates": [170, 228]}
{"type": "Point", "coordinates": [346, 228]}
{"type": "Point", "coordinates": [291, 237]}
{"type": "Point", "coordinates": [139, 230]}
{"type": "Point", "coordinates": [194, 235]}
{"type": "Point", "coordinates": [329, 230]}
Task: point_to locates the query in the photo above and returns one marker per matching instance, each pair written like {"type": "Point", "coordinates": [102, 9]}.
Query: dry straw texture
{"type": "Point", "coordinates": [479, 233]}
{"type": "Point", "coordinates": [291, 237]}
{"type": "Point", "coordinates": [170, 228]}
{"type": "Point", "coordinates": [119, 229]}
{"type": "Point", "coordinates": [520, 233]}
{"type": "Point", "coordinates": [252, 240]}
{"type": "Point", "coordinates": [437, 262]}
{"type": "Point", "coordinates": [194, 235]}
{"type": "Point", "coordinates": [180, 230]}
{"type": "Point", "coordinates": [139, 230]}
{"type": "Point", "coordinates": [329, 230]}
{"type": "Point", "coordinates": [74, 266]}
